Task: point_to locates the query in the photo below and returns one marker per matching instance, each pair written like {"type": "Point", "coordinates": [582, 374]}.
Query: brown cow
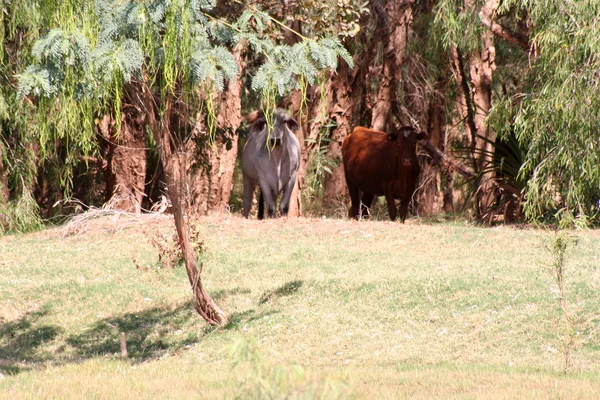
{"type": "Point", "coordinates": [377, 163]}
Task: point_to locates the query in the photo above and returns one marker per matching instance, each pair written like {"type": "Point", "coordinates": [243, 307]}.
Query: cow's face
{"type": "Point", "coordinates": [406, 139]}
{"type": "Point", "coordinates": [279, 124]}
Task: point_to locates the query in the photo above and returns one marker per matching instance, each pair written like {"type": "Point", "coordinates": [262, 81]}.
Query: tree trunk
{"type": "Point", "coordinates": [430, 195]}
{"type": "Point", "coordinates": [173, 156]}
{"type": "Point", "coordinates": [482, 66]}
{"type": "Point", "coordinates": [299, 111]}
{"type": "Point", "coordinates": [4, 194]}
{"type": "Point", "coordinates": [125, 155]}
{"type": "Point", "coordinates": [310, 118]}
{"type": "Point", "coordinates": [212, 182]}
{"type": "Point", "coordinates": [474, 104]}
{"type": "Point", "coordinates": [347, 104]}
{"type": "Point", "coordinates": [395, 28]}
{"type": "Point", "coordinates": [341, 101]}
{"type": "Point", "coordinates": [175, 163]}
{"type": "Point", "coordinates": [175, 170]}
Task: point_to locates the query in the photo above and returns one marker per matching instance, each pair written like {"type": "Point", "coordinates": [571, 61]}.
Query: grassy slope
{"type": "Point", "coordinates": [383, 309]}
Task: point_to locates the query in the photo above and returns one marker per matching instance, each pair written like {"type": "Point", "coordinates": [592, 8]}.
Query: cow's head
{"type": "Point", "coordinates": [406, 139]}
{"type": "Point", "coordinates": [275, 128]}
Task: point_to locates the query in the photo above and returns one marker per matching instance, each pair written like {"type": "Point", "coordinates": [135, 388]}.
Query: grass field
{"type": "Point", "coordinates": [319, 308]}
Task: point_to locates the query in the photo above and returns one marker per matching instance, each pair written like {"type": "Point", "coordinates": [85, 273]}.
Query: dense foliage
{"type": "Point", "coordinates": [556, 110]}
{"type": "Point", "coordinates": [67, 64]}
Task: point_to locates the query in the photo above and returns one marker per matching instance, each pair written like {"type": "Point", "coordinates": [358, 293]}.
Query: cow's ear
{"type": "Point", "coordinates": [422, 135]}
{"type": "Point", "coordinates": [258, 125]}
{"type": "Point", "coordinates": [292, 123]}
{"type": "Point", "coordinates": [252, 117]}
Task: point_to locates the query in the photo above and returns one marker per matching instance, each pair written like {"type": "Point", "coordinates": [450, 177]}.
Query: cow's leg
{"type": "Point", "coordinates": [354, 198]}
{"type": "Point", "coordinates": [261, 206]}
{"type": "Point", "coordinates": [267, 194]}
{"type": "Point", "coordinates": [273, 212]}
{"type": "Point", "coordinates": [404, 208]}
{"type": "Point", "coordinates": [284, 207]}
{"type": "Point", "coordinates": [248, 194]}
{"type": "Point", "coordinates": [365, 205]}
{"type": "Point", "coordinates": [392, 210]}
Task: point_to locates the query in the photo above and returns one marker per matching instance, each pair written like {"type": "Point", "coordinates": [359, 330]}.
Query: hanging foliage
{"type": "Point", "coordinates": [554, 113]}
{"type": "Point", "coordinates": [162, 58]}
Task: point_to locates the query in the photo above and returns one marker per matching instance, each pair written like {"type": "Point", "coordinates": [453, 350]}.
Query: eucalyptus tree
{"type": "Point", "coordinates": [555, 108]}
{"type": "Point", "coordinates": [530, 69]}
{"type": "Point", "coordinates": [472, 49]}
{"type": "Point", "coordinates": [160, 63]}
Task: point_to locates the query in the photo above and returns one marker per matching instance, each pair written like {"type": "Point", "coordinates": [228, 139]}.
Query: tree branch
{"type": "Point", "coordinates": [466, 91]}
{"type": "Point", "coordinates": [446, 162]}
{"type": "Point", "coordinates": [487, 14]}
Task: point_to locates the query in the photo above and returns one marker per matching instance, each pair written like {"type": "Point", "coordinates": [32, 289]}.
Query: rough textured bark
{"type": "Point", "coordinates": [299, 111]}
{"type": "Point", "coordinates": [310, 118]}
{"type": "Point", "coordinates": [474, 104]}
{"type": "Point", "coordinates": [289, 35]}
{"type": "Point", "coordinates": [487, 16]}
{"type": "Point", "coordinates": [482, 66]}
{"type": "Point", "coordinates": [4, 193]}
{"type": "Point", "coordinates": [464, 102]}
{"type": "Point", "coordinates": [341, 102]}
{"type": "Point", "coordinates": [212, 181]}
{"type": "Point", "coordinates": [395, 26]}
{"type": "Point", "coordinates": [430, 194]}
{"type": "Point", "coordinates": [125, 155]}
{"type": "Point", "coordinates": [348, 106]}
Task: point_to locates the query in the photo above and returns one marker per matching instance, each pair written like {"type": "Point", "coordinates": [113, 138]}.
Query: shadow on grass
{"type": "Point", "coordinates": [223, 293]}
{"type": "Point", "coordinates": [286, 289]}
{"type": "Point", "coordinates": [22, 341]}
{"type": "Point", "coordinates": [238, 318]}
{"type": "Point", "coordinates": [151, 333]}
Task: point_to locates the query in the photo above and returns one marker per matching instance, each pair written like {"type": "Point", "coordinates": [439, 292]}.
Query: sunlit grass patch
{"type": "Point", "coordinates": [426, 310]}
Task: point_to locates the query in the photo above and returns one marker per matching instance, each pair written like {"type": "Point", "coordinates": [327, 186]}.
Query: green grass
{"type": "Point", "coordinates": [321, 307]}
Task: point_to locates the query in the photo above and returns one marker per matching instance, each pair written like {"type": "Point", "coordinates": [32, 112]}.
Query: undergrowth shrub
{"type": "Point", "coordinates": [266, 379]}
{"type": "Point", "coordinates": [21, 215]}
{"type": "Point", "coordinates": [168, 247]}
{"type": "Point", "coordinates": [575, 326]}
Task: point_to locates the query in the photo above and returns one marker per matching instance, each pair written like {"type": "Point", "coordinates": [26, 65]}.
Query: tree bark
{"type": "Point", "coordinates": [310, 118]}
{"type": "Point", "coordinates": [212, 182]}
{"type": "Point", "coordinates": [482, 66]}
{"type": "Point", "coordinates": [474, 103]}
{"type": "Point", "coordinates": [341, 104]}
{"type": "Point", "coordinates": [464, 102]}
{"type": "Point", "coordinates": [347, 105]}
{"type": "Point", "coordinates": [395, 28]}
{"type": "Point", "coordinates": [299, 111]}
{"type": "Point", "coordinates": [4, 194]}
{"type": "Point", "coordinates": [430, 195]}
{"type": "Point", "coordinates": [125, 155]}
{"type": "Point", "coordinates": [487, 16]}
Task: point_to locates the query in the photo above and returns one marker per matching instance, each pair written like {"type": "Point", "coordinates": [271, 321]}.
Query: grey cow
{"type": "Point", "coordinates": [270, 159]}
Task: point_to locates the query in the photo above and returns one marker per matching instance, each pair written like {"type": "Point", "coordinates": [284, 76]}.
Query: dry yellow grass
{"type": "Point", "coordinates": [383, 309]}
